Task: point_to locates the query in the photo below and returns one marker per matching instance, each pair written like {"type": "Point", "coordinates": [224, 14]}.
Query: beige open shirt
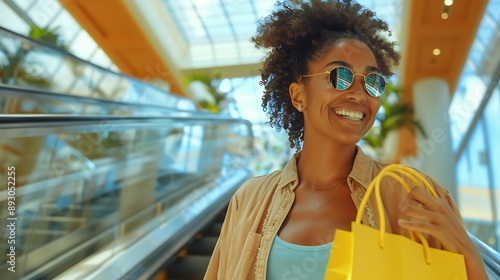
{"type": "Point", "coordinates": [259, 207]}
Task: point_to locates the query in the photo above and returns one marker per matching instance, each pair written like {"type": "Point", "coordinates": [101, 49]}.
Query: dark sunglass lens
{"type": "Point", "coordinates": [375, 84]}
{"type": "Point", "coordinates": [341, 78]}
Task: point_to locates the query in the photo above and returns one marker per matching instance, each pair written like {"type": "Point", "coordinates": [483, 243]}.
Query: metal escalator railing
{"type": "Point", "coordinates": [92, 189]}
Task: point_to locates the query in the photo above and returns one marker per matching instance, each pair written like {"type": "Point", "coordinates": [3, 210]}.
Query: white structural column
{"type": "Point", "coordinates": [431, 100]}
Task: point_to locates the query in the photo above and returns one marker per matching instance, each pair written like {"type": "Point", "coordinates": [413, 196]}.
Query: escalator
{"type": "Point", "coordinates": [112, 176]}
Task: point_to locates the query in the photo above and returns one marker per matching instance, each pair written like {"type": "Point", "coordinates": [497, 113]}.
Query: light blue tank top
{"type": "Point", "coordinates": [291, 261]}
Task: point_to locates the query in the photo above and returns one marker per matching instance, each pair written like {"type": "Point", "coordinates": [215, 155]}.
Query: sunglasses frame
{"type": "Point", "coordinates": [352, 81]}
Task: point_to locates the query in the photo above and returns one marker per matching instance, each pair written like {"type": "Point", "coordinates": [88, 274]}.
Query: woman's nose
{"type": "Point", "coordinates": [357, 89]}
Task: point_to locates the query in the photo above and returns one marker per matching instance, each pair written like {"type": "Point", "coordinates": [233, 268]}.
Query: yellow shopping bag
{"type": "Point", "coordinates": [368, 253]}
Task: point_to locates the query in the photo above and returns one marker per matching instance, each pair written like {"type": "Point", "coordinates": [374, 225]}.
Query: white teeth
{"type": "Point", "coordinates": [350, 114]}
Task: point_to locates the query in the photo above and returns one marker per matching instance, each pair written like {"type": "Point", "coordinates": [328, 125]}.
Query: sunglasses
{"type": "Point", "coordinates": [341, 78]}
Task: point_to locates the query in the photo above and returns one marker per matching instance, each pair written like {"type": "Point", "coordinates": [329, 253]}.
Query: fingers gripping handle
{"type": "Point", "coordinates": [395, 171]}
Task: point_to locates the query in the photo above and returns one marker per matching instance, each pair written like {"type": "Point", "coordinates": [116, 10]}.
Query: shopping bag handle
{"type": "Point", "coordinates": [395, 171]}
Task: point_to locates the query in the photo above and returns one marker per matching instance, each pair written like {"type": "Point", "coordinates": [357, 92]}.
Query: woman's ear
{"type": "Point", "coordinates": [296, 92]}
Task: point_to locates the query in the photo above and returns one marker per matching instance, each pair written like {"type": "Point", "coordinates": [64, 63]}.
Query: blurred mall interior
{"type": "Point", "coordinates": [128, 125]}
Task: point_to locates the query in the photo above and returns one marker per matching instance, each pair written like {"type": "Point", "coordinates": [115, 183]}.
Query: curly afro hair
{"type": "Point", "coordinates": [297, 32]}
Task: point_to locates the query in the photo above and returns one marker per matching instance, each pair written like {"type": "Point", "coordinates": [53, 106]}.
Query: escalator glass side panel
{"type": "Point", "coordinates": [78, 192]}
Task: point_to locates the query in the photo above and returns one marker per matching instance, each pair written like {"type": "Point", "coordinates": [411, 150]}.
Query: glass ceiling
{"type": "Point", "coordinates": [218, 31]}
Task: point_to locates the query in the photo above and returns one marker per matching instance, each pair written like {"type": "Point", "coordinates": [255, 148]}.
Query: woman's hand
{"type": "Point", "coordinates": [424, 213]}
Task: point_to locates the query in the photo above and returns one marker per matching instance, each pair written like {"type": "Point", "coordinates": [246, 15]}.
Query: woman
{"type": "Point", "coordinates": [323, 77]}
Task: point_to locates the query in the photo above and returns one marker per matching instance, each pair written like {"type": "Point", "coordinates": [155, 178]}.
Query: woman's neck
{"type": "Point", "coordinates": [324, 165]}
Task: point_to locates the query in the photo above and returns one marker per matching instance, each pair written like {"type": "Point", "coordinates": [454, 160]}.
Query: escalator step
{"type": "Point", "coordinates": [188, 268]}
{"type": "Point", "coordinates": [220, 217]}
{"type": "Point", "coordinates": [204, 246]}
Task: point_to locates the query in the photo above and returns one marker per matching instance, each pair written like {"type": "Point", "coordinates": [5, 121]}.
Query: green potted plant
{"type": "Point", "coordinates": [393, 116]}
{"type": "Point", "coordinates": [16, 67]}
{"type": "Point", "coordinates": [204, 90]}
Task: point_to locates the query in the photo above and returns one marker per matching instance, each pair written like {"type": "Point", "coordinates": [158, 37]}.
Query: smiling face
{"type": "Point", "coordinates": [331, 114]}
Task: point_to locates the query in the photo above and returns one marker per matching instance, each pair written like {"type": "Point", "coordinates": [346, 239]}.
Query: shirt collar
{"type": "Point", "coordinates": [290, 174]}
{"type": "Point", "coordinates": [361, 171]}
